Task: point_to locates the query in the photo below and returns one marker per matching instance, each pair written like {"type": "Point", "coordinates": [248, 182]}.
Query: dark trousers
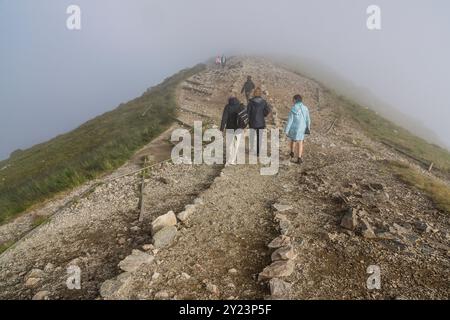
{"type": "Point", "coordinates": [258, 140]}
{"type": "Point", "coordinates": [248, 95]}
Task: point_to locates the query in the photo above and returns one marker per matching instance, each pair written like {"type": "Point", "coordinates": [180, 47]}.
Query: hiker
{"type": "Point", "coordinates": [248, 88]}
{"type": "Point", "coordinates": [223, 61]}
{"type": "Point", "coordinates": [258, 109]}
{"type": "Point", "coordinates": [218, 61]}
{"type": "Point", "coordinates": [298, 125]}
{"type": "Point", "coordinates": [231, 119]}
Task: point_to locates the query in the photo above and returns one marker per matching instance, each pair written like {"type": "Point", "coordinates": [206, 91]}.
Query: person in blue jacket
{"type": "Point", "coordinates": [298, 125]}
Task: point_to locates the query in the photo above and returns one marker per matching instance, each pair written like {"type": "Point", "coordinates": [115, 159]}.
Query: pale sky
{"type": "Point", "coordinates": [53, 79]}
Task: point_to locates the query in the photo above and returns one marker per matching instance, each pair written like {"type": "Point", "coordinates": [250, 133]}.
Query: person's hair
{"type": "Point", "coordinates": [249, 77]}
{"type": "Point", "coordinates": [232, 100]}
{"type": "Point", "coordinates": [298, 98]}
{"type": "Point", "coordinates": [257, 92]}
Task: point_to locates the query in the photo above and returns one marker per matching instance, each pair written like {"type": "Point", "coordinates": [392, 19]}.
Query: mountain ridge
{"type": "Point", "coordinates": [229, 220]}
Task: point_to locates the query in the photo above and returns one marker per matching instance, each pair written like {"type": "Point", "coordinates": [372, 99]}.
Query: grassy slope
{"type": "Point", "coordinates": [99, 145]}
{"type": "Point", "coordinates": [438, 192]}
{"type": "Point", "coordinates": [386, 131]}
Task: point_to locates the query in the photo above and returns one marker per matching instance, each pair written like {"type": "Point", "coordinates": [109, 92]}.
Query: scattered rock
{"type": "Point", "coordinates": [135, 229]}
{"type": "Point", "coordinates": [279, 216]}
{"type": "Point", "coordinates": [212, 288]}
{"type": "Point", "coordinates": [135, 260]}
{"type": "Point", "coordinates": [376, 186]}
{"type": "Point", "coordinates": [349, 220]}
{"type": "Point", "coordinates": [282, 207]}
{"type": "Point", "coordinates": [198, 201]}
{"type": "Point", "coordinates": [166, 220]}
{"type": "Point", "coordinates": [32, 282]}
{"type": "Point", "coordinates": [49, 267]}
{"type": "Point", "coordinates": [385, 236]}
{"type": "Point", "coordinates": [113, 288]}
{"type": "Point", "coordinates": [162, 295]}
{"type": "Point", "coordinates": [367, 231]}
{"type": "Point", "coordinates": [283, 253]}
{"type": "Point", "coordinates": [41, 295]}
{"type": "Point", "coordinates": [279, 242]}
{"type": "Point", "coordinates": [420, 226]}
{"type": "Point", "coordinates": [185, 275]}
{"type": "Point", "coordinates": [279, 288]}
{"type": "Point", "coordinates": [147, 247]}
{"type": "Point", "coordinates": [35, 273]}
{"type": "Point", "coordinates": [232, 271]}
{"type": "Point", "coordinates": [188, 210]}
{"type": "Point", "coordinates": [156, 275]}
{"type": "Point", "coordinates": [164, 237]}
{"type": "Point", "coordinates": [277, 269]}
{"type": "Point", "coordinates": [285, 225]}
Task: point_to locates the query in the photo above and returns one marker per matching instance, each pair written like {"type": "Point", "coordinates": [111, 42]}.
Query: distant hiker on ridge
{"type": "Point", "coordinates": [248, 88]}
{"type": "Point", "coordinates": [258, 109]}
{"type": "Point", "coordinates": [231, 119]}
{"type": "Point", "coordinates": [298, 125]}
{"type": "Point", "coordinates": [223, 61]}
{"type": "Point", "coordinates": [218, 61]}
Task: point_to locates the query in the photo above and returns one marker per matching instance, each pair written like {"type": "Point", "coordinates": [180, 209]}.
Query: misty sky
{"type": "Point", "coordinates": [53, 79]}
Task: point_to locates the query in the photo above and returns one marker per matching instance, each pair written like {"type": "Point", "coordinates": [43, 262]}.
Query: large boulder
{"type": "Point", "coordinates": [164, 237]}
{"type": "Point", "coordinates": [117, 288]}
{"type": "Point", "coordinates": [279, 288]}
{"type": "Point", "coordinates": [279, 242]}
{"type": "Point", "coordinates": [166, 220]}
{"type": "Point", "coordinates": [277, 269]}
{"type": "Point", "coordinates": [135, 260]}
{"type": "Point", "coordinates": [283, 253]}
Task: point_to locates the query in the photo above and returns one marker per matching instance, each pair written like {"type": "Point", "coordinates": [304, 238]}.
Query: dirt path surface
{"type": "Point", "coordinates": [214, 224]}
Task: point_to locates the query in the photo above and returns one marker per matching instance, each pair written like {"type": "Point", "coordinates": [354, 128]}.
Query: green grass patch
{"type": "Point", "coordinates": [5, 246]}
{"type": "Point", "coordinates": [384, 130]}
{"type": "Point", "coordinates": [437, 191]}
{"type": "Point", "coordinates": [98, 146]}
{"type": "Point", "coordinates": [40, 220]}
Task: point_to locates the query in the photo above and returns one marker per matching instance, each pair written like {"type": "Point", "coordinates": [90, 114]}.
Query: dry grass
{"type": "Point", "coordinates": [437, 191]}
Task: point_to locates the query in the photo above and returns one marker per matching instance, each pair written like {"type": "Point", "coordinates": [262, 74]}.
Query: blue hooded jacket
{"type": "Point", "coordinates": [297, 123]}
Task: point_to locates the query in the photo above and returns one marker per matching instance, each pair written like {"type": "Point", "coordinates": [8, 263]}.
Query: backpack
{"type": "Point", "coordinates": [307, 130]}
{"type": "Point", "coordinates": [242, 118]}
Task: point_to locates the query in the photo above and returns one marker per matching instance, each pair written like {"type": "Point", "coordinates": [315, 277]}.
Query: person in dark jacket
{"type": "Point", "coordinates": [230, 121]}
{"type": "Point", "coordinates": [248, 88]}
{"type": "Point", "coordinates": [223, 61]}
{"type": "Point", "coordinates": [258, 109]}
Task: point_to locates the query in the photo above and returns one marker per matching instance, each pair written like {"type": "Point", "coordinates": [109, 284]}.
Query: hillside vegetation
{"type": "Point", "coordinates": [394, 135]}
{"type": "Point", "coordinates": [101, 144]}
{"type": "Point", "coordinates": [438, 192]}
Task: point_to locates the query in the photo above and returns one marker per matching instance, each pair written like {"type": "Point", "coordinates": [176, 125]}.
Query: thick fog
{"type": "Point", "coordinates": [53, 79]}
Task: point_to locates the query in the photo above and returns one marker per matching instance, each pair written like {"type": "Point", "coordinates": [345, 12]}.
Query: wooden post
{"type": "Point", "coordinates": [318, 98]}
{"type": "Point", "coordinates": [141, 202]}
{"type": "Point", "coordinates": [430, 167]}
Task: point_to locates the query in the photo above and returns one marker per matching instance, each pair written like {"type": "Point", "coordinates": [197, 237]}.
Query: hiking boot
{"type": "Point", "coordinates": [300, 161]}
{"type": "Point", "coordinates": [291, 154]}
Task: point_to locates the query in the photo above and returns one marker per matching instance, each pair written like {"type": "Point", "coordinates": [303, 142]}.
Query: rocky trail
{"type": "Point", "coordinates": [215, 232]}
